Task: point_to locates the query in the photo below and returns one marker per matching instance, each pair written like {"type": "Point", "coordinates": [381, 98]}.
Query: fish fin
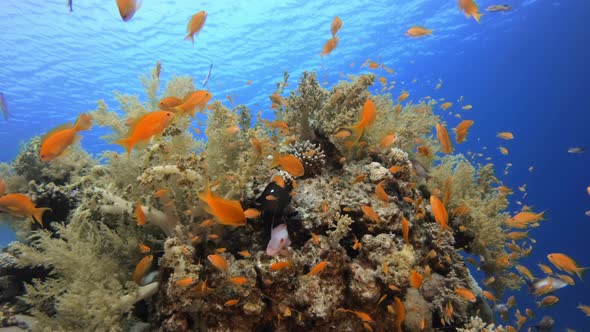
{"type": "Point", "coordinates": [84, 122]}
{"type": "Point", "coordinates": [126, 143]}
{"type": "Point", "coordinates": [477, 16]}
{"type": "Point", "coordinates": [38, 215]}
{"type": "Point", "coordinates": [580, 271]}
{"type": "Point", "coordinates": [191, 38]}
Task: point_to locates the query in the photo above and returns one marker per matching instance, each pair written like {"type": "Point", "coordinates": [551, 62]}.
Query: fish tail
{"type": "Point", "coordinates": [580, 271]}
{"type": "Point", "coordinates": [84, 122]}
{"type": "Point", "coordinates": [358, 131]}
{"type": "Point", "coordinates": [191, 38]}
{"type": "Point", "coordinates": [126, 143]}
{"type": "Point", "coordinates": [477, 16]}
{"type": "Point", "coordinates": [38, 215]}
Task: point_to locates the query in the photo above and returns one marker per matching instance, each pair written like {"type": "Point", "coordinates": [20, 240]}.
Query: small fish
{"type": "Point", "coordinates": [585, 309]}
{"type": "Point", "coordinates": [329, 46]}
{"type": "Point", "coordinates": [443, 138]}
{"type": "Point", "coordinates": [142, 268]}
{"type": "Point", "coordinates": [547, 285]}
{"type": "Point", "coordinates": [196, 99]}
{"type": "Point", "coordinates": [387, 140]}
{"type": "Point", "coordinates": [370, 214]}
{"type": "Point", "coordinates": [400, 313]}
{"type": "Point", "coordinates": [58, 140]}
{"type": "Point", "coordinates": [226, 212]}
{"type": "Point", "coordinates": [318, 268]}
{"type": "Point", "coordinates": [279, 265]}
{"type": "Point", "coordinates": [279, 239]}
{"type": "Point", "coordinates": [466, 294]}
{"type": "Point", "coordinates": [470, 8]}
{"type": "Point", "coordinates": [362, 315]}
{"type": "Point", "coordinates": [169, 103]}
{"type": "Point", "coordinates": [548, 301]}
{"type": "Point", "coordinates": [128, 8]}
{"type": "Point", "coordinates": [208, 75]}
{"type": "Point", "coordinates": [403, 96]}
{"type": "Point", "coordinates": [240, 281]}
{"type": "Point", "coordinates": [146, 127]}
{"type": "Point", "coordinates": [415, 279]}
{"type": "Point", "coordinates": [489, 296]}
{"type": "Point", "coordinates": [336, 25]}
{"type": "Point", "coordinates": [406, 231]}
{"type": "Point", "coordinates": [467, 107]}
{"type": "Point", "coordinates": [230, 303]}
{"type": "Point", "coordinates": [505, 135]}
{"type": "Point", "coordinates": [439, 211]}
{"type": "Point", "coordinates": [195, 24]}
{"type": "Point", "coordinates": [252, 213]}
{"type": "Point", "coordinates": [367, 118]}
{"type": "Point", "coordinates": [576, 149]}
{"type": "Point", "coordinates": [21, 206]}
{"type": "Point", "coordinates": [565, 263]}
{"type": "Point", "coordinates": [218, 261]}
{"type": "Point", "coordinates": [445, 106]}
{"type": "Point", "coordinates": [185, 282]}
{"type": "Point", "coordinates": [144, 248]}
{"type": "Point", "coordinates": [140, 215]}
{"type": "Point", "coordinates": [461, 130]}
{"type": "Point", "coordinates": [289, 163]}
{"type": "Point", "coordinates": [380, 192]}
{"type": "Point", "coordinates": [498, 8]}
{"type": "Point", "coordinates": [244, 254]}
{"type": "Point", "coordinates": [418, 31]}
{"type": "Point", "coordinates": [4, 106]}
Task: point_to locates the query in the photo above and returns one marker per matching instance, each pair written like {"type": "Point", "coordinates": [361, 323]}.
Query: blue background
{"type": "Point", "coordinates": [524, 71]}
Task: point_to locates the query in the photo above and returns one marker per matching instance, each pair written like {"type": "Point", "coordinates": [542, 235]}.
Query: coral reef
{"type": "Point", "coordinates": [131, 244]}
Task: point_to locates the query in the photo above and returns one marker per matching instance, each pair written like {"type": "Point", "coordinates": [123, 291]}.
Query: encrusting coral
{"type": "Point", "coordinates": [134, 241]}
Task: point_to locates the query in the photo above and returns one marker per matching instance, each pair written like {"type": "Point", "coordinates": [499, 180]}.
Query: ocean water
{"type": "Point", "coordinates": [524, 71]}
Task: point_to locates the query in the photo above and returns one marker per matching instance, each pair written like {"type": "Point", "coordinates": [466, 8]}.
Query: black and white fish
{"type": "Point", "coordinates": [208, 75]}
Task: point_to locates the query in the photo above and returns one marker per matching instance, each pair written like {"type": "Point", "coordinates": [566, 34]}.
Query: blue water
{"type": "Point", "coordinates": [524, 71]}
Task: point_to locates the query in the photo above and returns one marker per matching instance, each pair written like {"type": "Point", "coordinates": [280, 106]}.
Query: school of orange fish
{"type": "Point", "coordinates": [230, 212]}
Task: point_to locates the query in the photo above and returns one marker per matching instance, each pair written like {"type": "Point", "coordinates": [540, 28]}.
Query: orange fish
{"type": "Point", "coordinates": [316, 238]}
{"type": "Point", "coordinates": [318, 268]}
{"type": "Point", "coordinates": [415, 279]}
{"type": "Point", "coordinates": [226, 211]}
{"type": "Point", "coordinates": [368, 116]}
{"type": "Point", "coordinates": [362, 315]}
{"type": "Point", "coordinates": [139, 215]}
{"type": "Point", "coordinates": [144, 249]}
{"type": "Point", "coordinates": [370, 214]}
{"type": "Point", "coordinates": [565, 263]}
{"type": "Point", "coordinates": [336, 25]}
{"type": "Point", "coordinates": [470, 8]}
{"type": "Point", "coordinates": [230, 303]}
{"type": "Point", "coordinates": [252, 213]}
{"type": "Point", "coordinates": [58, 140]}
{"type": "Point", "coordinates": [218, 261]}
{"type": "Point", "coordinates": [244, 254]}
{"type": "Point", "coordinates": [198, 98]}
{"type": "Point", "coordinates": [240, 281]}
{"type": "Point", "coordinates": [489, 296]}
{"type": "Point", "coordinates": [418, 31]}
{"type": "Point", "coordinates": [161, 193]}
{"type": "Point", "coordinates": [21, 206]}
{"type": "Point", "coordinates": [443, 138]}
{"type": "Point", "coordinates": [279, 265]}
{"type": "Point", "coordinates": [439, 211]}
{"type": "Point", "coordinates": [466, 294]}
{"type": "Point", "coordinates": [329, 46]}
{"type": "Point", "coordinates": [505, 135]}
{"type": "Point", "coordinates": [169, 102]}
{"type": "Point", "coordinates": [423, 150]}
{"type": "Point", "coordinates": [127, 8]}
{"type": "Point", "coordinates": [185, 282]}
{"type": "Point", "coordinates": [195, 25]}
{"type": "Point", "coordinates": [548, 301]}
{"type": "Point", "coordinates": [142, 268]}
{"type": "Point", "coordinates": [387, 140]}
{"type": "Point", "coordinates": [403, 96]}
{"type": "Point", "coordinates": [145, 128]}
{"type": "Point", "coordinates": [406, 230]}
{"type": "Point", "coordinates": [446, 105]}
{"type": "Point", "coordinates": [395, 169]}
{"type": "Point", "coordinates": [289, 163]}
{"type": "Point", "coordinates": [400, 313]}
{"type": "Point", "coordinates": [380, 192]}
{"type": "Point", "coordinates": [503, 150]}
{"type": "Point", "coordinates": [461, 130]}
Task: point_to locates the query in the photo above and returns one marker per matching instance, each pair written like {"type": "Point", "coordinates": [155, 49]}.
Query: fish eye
{"type": "Point", "coordinates": [168, 114]}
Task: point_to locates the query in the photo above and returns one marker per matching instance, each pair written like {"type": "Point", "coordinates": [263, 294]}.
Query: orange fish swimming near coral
{"type": "Point", "coordinates": [58, 140]}
{"type": "Point", "coordinates": [566, 263]}
{"type": "Point", "coordinates": [289, 163]}
{"type": "Point", "coordinates": [146, 127]}
{"type": "Point", "coordinates": [195, 25]}
{"type": "Point", "coordinates": [336, 25]}
{"type": "Point", "coordinates": [329, 46]}
{"type": "Point", "coordinates": [128, 8]}
{"type": "Point", "coordinates": [368, 116]}
{"type": "Point", "coordinates": [418, 31]}
{"type": "Point", "coordinates": [470, 8]}
{"type": "Point", "coordinates": [439, 211]}
{"type": "Point", "coordinates": [196, 99]}
{"type": "Point", "coordinates": [21, 206]}
{"type": "Point", "coordinates": [169, 103]}
{"type": "Point", "coordinates": [226, 211]}
{"type": "Point", "coordinates": [461, 130]}
{"type": "Point", "coordinates": [444, 139]}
